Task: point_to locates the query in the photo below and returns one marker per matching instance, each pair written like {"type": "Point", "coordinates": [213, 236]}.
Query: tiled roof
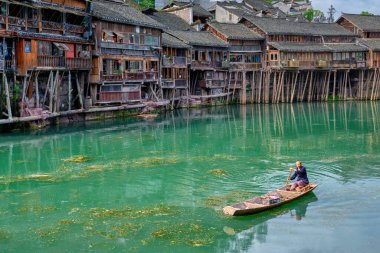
{"type": "Point", "coordinates": [195, 38]}
{"type": "Point", "coordinates": [299, 47]}
{"type": "Point", "coordinates": [199, 11]}
{"type": "Point", "coordinates": [170, 21]}
{"type": "Point", "coordinates": [122, 13]}
{"type": "Point", "coordinates": [170, 41]}
{"type": "Point", "coordinates": [364, 22]}
{"type": "Point", "coordinates": [235, 31]}
{"type": "Point", "coordinates": [347, 47]}
{"type": "Point", "coordinates": [273, 26]}
{"type": "Point", "coordinates": [373, 44]}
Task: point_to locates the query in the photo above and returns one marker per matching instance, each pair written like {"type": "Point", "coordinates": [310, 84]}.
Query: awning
{"type": "Point", "coordinates": [120, 35]}
{"type": "Point", "coordinates": [61, 46]}
{"type": "Point", "coordinates": [109, 33]}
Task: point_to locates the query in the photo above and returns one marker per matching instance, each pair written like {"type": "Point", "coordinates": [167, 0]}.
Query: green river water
{"type": "Point", "coordinates": [159, 185]}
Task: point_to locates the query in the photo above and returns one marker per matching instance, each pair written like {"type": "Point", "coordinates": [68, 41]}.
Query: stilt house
{"type": "Point", "coordinates": [126, 61]}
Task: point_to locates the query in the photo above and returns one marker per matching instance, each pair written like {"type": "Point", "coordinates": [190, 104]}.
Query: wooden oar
{"type": "Point", "coordinates": [290, 173]}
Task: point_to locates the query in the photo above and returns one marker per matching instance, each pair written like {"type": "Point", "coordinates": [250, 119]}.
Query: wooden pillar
{"type": "Point", "coordinates": [5, 83]}
{"type": "Point", "coordinates": [243, 99]}
{"type": "Point", "coordinates": [69, 84]}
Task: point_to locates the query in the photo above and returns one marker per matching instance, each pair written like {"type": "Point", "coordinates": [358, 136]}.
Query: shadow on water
{"type": "Point", "coordinates": [242, 239]}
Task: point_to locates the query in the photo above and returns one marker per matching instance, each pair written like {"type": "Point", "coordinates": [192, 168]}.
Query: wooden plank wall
{"type": "Point", "coordinates": [25, 60]}
{"type": "Point", "coordinates": [72, 3]}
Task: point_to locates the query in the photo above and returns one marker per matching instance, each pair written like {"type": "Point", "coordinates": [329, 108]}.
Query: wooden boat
{"type": "Point", "coordinates": [267, 201]}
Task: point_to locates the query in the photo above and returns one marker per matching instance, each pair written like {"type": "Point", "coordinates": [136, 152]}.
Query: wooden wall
{"type": "Point", "coordinates": [73, 3]}
{"type": "Point", "coordinates": [25, 60]}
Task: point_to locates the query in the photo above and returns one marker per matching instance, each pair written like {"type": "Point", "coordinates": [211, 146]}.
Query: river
{"type": "Point", "coordinates": [159, 185]}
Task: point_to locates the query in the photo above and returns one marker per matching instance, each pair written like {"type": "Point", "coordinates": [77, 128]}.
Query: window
{"type": "Point", "coordinates": [28, 46]}
{"type": "Point", "coordinates": [44, 48]}
{"type": "Point", "coordinates": [150, 40]}
{"type": "Point", "coordinates": [134, 66]}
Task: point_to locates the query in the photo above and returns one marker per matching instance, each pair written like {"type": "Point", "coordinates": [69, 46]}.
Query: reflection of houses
{"type": "Point", "coordinates": [245, 58]}
{"type": "Point", "coordinates": [50, 59]}
{"type": "Point", "coordinates": [126, 61]}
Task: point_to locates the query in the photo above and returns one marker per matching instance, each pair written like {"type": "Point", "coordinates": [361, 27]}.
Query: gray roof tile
{"type": "Point", "coordinates": [364, 22]}
{"type": "Point", "coordinates": [235, 31]}
{"type": "Point", "coordinates": [122, 13]}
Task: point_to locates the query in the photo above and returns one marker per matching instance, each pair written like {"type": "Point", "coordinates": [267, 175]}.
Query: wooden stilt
{"type": "Point", "coordinates": [6, 86]}
{"type": "Point", "coordinates": [70, 90]}
{"type": "Point", "coordinates": [79, 91]}
{"type": "Point", "coordinates": [334, 85]}
{"type": "Point", "coordinates": [243, 99]}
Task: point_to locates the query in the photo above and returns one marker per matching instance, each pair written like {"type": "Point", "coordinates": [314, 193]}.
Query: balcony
{"type": "Point", "coordinates": [253, 48]}
{"type": "Point", "coordinates": [62, 62]}
{"type": "Point", "coordinates": [175, 61]}
{"type": "Point", "coordinates": [52, 27]}
{"type": "Point", "coordinates": [119, 93]}
{"type": "Point", "coordinates": [209, 64]}
{"type": "Point", "coordinates": [245, 65]}
{"type": "Point", "coordinates": [211, 83]}
{"type": "Point", "coordinates": [130, 76]}
{"type": "Point", "coordinates": [124, 46]}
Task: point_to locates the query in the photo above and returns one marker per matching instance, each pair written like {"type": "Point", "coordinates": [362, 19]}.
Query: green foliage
{"type": "Point", "coordinates": [310, 14]}
{"type": "Point", "coordinates": [145, 4]}
{"type": "Point", "coordinates": [366, 13]}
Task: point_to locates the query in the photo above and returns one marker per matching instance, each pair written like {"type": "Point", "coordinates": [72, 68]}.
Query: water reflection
{"type": "Point", "coordinates": [243, 241]}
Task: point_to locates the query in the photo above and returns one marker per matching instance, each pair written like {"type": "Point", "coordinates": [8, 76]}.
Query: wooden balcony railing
{"type": "Point", "coordinates": [62, 62]}
{"type": "Point", "coordinates": [53, 27]}
{"type": "Point", "coordinates": [253, 48]}
{"type": "Point", "coordinates": [212, 83]}
{"type": "Point", "coordinates": [134, 75]}
{"type": "Point", "coordinates": [245, 65]}
{"type": "Point", "coordinates": [152, 75]}
{"type": "Point", "coordinates": [15, 21]}
{"type": "Point", "coordinates": [74, 29]}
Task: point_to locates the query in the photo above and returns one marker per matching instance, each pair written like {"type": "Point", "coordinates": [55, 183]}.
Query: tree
{"type": "Point", "coordinates": [314, 15]}
{"type": "Point", "coordinates": [366, 13]}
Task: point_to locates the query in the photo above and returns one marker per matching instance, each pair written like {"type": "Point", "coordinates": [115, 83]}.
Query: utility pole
{"type": "Point", "coordinates": [331, 13]}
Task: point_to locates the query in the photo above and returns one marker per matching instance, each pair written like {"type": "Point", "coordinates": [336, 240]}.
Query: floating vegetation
{"type": "Point", "coordinates": [191, 234]}
{"type": "Point", "coordinates": [154, 161]}
{"type": "Point", "coordinates": [4, 235]}
{"type": "Point", "coordinates": [214, 201]}
{"type": "Point", "coordinates": [218, 172]}
{"type": "Point", "coordinates": [118, 231]}
{"type": "Point", "coordinates": [50, 232]}
{"type": "Point", "coordinates": [160, 210]}
{"type": "Point", "coordinates": [105, 213]}
{"type": "Point", "coordinates": [129, 212]}
{"type": "Point", "coordinates": [77, 159]}
{"type": "Point", "coordinates": [36, 209]}
{"type": "Point", "coordinates": [96, 167]}
{"type": "Point", "coordinates": [68, 222]}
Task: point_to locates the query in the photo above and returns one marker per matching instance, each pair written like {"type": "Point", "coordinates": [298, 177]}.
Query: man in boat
{"type": "Point", "coordinates": [301, 174]}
